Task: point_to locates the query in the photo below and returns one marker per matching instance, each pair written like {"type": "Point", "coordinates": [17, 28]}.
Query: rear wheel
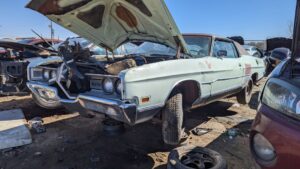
{"type": "Point", "coordinates": [172, 119]}
{"type": "Point", "coordinates": [244, 96]}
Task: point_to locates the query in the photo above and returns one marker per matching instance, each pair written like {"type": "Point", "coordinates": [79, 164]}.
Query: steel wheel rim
{"type": "Point", "coordinates": [197, 160]}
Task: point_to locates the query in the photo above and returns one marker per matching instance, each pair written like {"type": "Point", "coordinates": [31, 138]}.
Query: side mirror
{"type": "Point", "coordinates": [222, 53]}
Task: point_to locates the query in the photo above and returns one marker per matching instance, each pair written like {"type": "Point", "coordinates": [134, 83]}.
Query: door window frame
{"type": "Point", "coordinates": [228, 41]}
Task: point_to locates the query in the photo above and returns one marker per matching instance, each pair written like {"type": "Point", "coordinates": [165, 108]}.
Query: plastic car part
{"type": "Point", "coordinates": [190, 157]}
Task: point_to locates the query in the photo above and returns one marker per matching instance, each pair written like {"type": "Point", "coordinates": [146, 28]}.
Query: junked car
{"type": "Point", "coordinates": [277, 56]}
{"type": "Point", "coordinates": [14, 59]}
{"type": "Point", "coordinates": [172, 74]}
{"type": "Point", "coordinates": [45, 70]}
{"type": "Point", "coordinates": [274, 137]}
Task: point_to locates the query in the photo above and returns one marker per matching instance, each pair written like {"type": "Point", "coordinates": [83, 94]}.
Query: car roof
{"type": "Point", "coordinates": [207, 35]}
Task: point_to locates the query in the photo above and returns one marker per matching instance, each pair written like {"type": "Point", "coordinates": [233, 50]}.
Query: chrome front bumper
{"type": "Point", "coordinates": [115, 109]}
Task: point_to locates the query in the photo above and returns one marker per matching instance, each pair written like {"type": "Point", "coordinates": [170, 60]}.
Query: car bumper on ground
{"type": "Point", "coordinates": [283, 133]}
{"type": "Point", "coordinates": [116, 109]}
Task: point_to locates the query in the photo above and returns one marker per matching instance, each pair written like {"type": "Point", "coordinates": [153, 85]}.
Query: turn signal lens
{"type": "Point", "coordinates": [263, 148]}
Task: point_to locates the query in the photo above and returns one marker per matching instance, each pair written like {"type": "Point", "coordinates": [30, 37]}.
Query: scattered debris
{"type": "Point", "coordinates": [37, 125]}
{"type": "Point", "coordinates": [236, 105]}
{"type": "Point", "coordinates": [200, 131]}
{"type": "Point", "coordinates": [13, 131]}
{"type": "Point", "coordinates": [233, 132]}
{"type": "Point", "coordinates": [232, 120]}
{"type": "Point", "coordinates": [37, 153]}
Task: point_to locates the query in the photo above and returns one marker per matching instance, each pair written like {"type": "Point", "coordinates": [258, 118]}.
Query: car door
{"type": "Point", "coordinates": [228, 69]}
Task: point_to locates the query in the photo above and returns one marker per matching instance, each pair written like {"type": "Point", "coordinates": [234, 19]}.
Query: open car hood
{"type": "Point", "coordinates": [110, 23]}
{"type": "Point", "coordinates": [279, 43]}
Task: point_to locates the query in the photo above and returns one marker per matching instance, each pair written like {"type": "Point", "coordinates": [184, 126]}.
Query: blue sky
{"type": "Point", "coordinates": [253, 19]}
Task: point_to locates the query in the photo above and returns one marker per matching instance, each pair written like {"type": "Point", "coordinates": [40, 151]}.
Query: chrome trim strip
{"type": "Point", "coordinates": [101, 75]}
{"type": "Point", "coordinates": [59, 78]}
{"type": "Point", "coordinates": [143, 109]}
{"type": "Point", "coordinates": [225, 79]}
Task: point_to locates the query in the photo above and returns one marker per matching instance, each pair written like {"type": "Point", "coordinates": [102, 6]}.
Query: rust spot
{"type": "Point", "coordinates": [93, 17]}
{"type": "Point", "coordinates": [141, 6]}
{"type": "Point", "coordinates": [51, 7]}
{"type": "Point", "coordinates": [125, 15]}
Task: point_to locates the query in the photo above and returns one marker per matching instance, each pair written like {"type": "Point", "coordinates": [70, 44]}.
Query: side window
{"type": "Point", "coordinates": [226, 48]}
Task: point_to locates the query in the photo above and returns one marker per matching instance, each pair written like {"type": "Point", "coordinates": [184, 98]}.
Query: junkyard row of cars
{"type": "Point", "coordinates": [133, 64]}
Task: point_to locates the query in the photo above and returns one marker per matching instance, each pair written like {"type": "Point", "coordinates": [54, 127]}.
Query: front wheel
{"type": "Point", "coordinates": [172, 119]}
{"type": "Point", "coordinates": [244, 96]}
{"type": "Point", "coordinates": [46, 104]}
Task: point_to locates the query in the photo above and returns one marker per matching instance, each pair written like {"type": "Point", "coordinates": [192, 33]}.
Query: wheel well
{"type": "Point", "coordinates": [190, 90]}
{"type": "Point", "coordinates": [254, 77]}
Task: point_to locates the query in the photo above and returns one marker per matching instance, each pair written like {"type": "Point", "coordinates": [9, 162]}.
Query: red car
{"type": "Point", "coordinates": [39, 42]}
{"type": "Point", "coordinates": [275, 134]}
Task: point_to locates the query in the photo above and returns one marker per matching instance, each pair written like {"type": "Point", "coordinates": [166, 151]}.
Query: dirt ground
{"type": "Point", "coordinates": [74, 142]}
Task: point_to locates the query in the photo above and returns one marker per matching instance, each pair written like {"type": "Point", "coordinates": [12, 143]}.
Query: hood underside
{"type": "Point", "coordinates": [110, 23]}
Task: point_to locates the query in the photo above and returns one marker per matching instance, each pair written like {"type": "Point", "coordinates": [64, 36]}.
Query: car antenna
{"type": "Point", "coordinates": [42, 39]}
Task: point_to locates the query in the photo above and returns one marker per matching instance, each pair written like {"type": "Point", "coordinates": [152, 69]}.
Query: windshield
{"type": "Point", "coordinates": [125, 49]}
{"type": "Point", "coordinates": [198, 46]}
{"type": "Point", "coordinates": [152, 49]}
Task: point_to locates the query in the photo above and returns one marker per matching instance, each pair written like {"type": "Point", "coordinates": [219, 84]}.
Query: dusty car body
{"type": "Point", "coordinates": [13, 66]}
{"type": "Point", "coordinates": [274, 138]}
{"type": "Point", "coordinates": [196, 70]}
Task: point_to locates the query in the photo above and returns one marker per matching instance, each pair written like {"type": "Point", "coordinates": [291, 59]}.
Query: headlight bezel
{"type": "Point", "coordinates": [118, 87]}
{"type": "Point", "coordinates": [42, 74]}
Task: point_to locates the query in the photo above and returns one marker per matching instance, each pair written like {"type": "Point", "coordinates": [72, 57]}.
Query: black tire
{"type": "Point", "coordinates": [190, 157]}
{"type": "Point", "coordinates": [51, 105]}
{"type": "Point", "coordinates": [244, 96]}
{"type": "Point", "coordinates": [172, 119]}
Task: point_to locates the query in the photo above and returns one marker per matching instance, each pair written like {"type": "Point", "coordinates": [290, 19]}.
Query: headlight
{"type": "Point", "coordinates": [263, 148]}
{"type": "Point", "coordinates": [118, 87]}
{"type": "Point", "coordinates": [46, 74]}
{"type": "Point", "coordinates": [108, 86]}
{"type": "Point", "coordinates": [282, 97]}
{"type": "Point", "coordinates": [42, 74]}
{"type": "Point", "coordinates": [36, 74]}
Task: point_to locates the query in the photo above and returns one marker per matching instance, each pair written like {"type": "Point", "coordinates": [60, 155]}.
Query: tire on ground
{"type": "Point", "coordinates": [210, 159]}
{"type": "Point", "coordinates": [172, 119]}
{"type": "Point", "coordinates": [244, 96]}
{"type": "Point", "coordinates": [46, 104]}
